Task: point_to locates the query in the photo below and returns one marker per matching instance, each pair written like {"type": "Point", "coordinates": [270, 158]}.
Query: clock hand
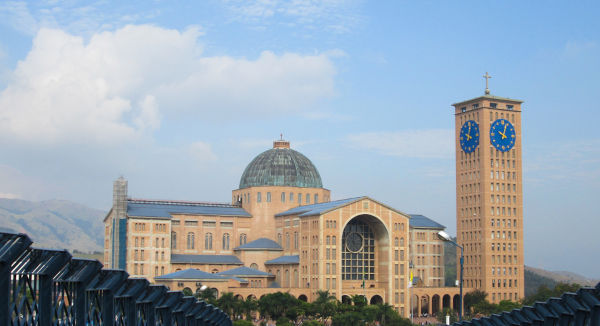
{"type": "Point", "coordinates": [504, 134]}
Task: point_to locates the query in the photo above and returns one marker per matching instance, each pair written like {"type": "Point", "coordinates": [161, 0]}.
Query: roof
{"type": "Point", "coordinates": [420, 221]}
{"type": "Point", "coordinates": [158, 208]}
{"type": "Point", "coordinates": [489, 97]}
{"type": "Point", "coordinates": [281, 166]}
{"type": "Point", "coordinates": [206, 259]}
{"type": "Point", "coordinates": [191, 273]}
{"type": "Point", "coordinates": [317, 209]}
{"type": "Point", "coordinates": [260, 244]}
{"type": "Point", "coordinates": [284, 260]}
{"type": "Point", "coordinates": [244, 271]}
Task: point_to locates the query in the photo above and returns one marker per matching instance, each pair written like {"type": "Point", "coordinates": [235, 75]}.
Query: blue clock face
{"type": "Point", "coordinates": [469, 136]}
{"type": "Point", "coordinates": [502, 135]}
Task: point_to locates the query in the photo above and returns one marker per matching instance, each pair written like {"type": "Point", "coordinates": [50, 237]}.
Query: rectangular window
{"type": "Point", "coordinates": [299, 199]}
{"type": "Point", "coordinates": [509, 107]}
{"type": "Point", "coordinates": [174, 222]}
{"type": "Point", "coordinates": [316, 201]}
{"type": "Point", "coordinates": [493, 105]}
{"type": "Point", "coordinates": [283, 197]}
{"type": "Point", "coordinates": [225, 224]}
{"type": "Point", "coordinates": [268, 197]}
{"type": "Point", "coordinates": [258, 197]}
{"type": "Point", "coordinates": [291, 197]}
{"type": "Point", "coordinates": [307, 198]}
{"type": "Point", "coordinates": [209, 224]}
{"type": "Point", "coordinates": [191, 223]}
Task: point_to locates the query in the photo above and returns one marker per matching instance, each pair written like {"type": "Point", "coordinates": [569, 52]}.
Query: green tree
{"type": "Point", "coordinates": [187, 292]}
{"type": "Point", "coordinates": [249, 307]}
{"type": "Point", "coordinates": [441, 316]}
{"type": "Point", "coordinates": [347, 318]}
{"type": "Point", "coordinates": [276, 305]}
{"type": "Point", "coordinates": [472, 298]}
{"type": "Point", "coordinates": [359, 300]}
{"type": "Point", "coordinates": [229, 304]}
{"type": "Point", "coordinates": [242, 323]}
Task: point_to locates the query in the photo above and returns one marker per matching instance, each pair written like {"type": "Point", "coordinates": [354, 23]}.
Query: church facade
{"type": "Point", "coordinates": [281, 232]}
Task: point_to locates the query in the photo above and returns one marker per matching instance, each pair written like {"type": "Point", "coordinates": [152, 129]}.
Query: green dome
{"type": "Point", "coordinates": [281, 166]}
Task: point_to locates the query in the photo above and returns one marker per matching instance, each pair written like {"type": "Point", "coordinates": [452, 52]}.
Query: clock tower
{"type": "Point", "coordinates": [489, 194]}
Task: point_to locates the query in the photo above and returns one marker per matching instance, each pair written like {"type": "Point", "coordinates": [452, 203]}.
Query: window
{"type": "Point", "coordinates": [254, 266]}
{"type": "Point", "coordinates": [493, 105]}
{"type": "Point", "coordinates": [279, 239]}
{"type": "Point", "coordinates": [287, 241]}
{"type": "Point", "coordinates": [268, 197]}
{"type": "Point", "coordinates": [226, 224]}
{"type": "Point", "coordinates": [291, 197]}
{"type": "Point", "coordinates": [307, 199]}
{"type": "Point", "coordinates": [173, 240]}
{"type": "Point", "coordinates": [226, 241]}
{"type": "Point", "coordinates": [258, 197]}
{"type": "Point", "coordinates": [190, 240]}
{"type": "Point", "coordinates": [463, 109]}
{"type": "Point", "coordinates": [283, 197]}
{"type": "Point", "coordinates": [209, 224]}
{"type": "Point", "coordinates": [333, 240]}
{"type": "Point", "coordinates": [208, 241]}
{"type": "Point", "coordinates": [299, 198]}
{"type": "Point", "coordinates": [191, 223]}
{"type": "Point", "coordinates": [509, 107]}
{"type": "Point", "coordinates": [295, 240]}
{"type": "Point", "coordinates": [316, 201]}
{"type": "Point", "coordinates": [358, 265]}
{"type": "Point", "coordinates": [242, 239]}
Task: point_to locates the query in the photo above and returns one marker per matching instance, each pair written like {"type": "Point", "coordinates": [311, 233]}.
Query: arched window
{"type": "Point", "coordinates": [295, 278]}
{"type": "Point", "coordinates": [279, 239]}
{"type": "Point", "coordinates": [190, 240]}
{"type": "Point", "coordinates": [287, 241]}
{"type": "Point", "coordinates": [226, 241]}
{"type": "Point", "coordinates": [402, 241]}
{"type": "Point", "coordinates": [254, 266]}
{"type": "Point", "coordinates": [174, 240]}
{"type": "Point", "coordinates": [242, 239]}
{"type": "Point", "coordinates": [396, 242]}
{"type": "Point", "coordinates": [208, 241]}
{"type": "Point", "coordinates": [295, 240]}
{"type": "Point", "coordinates": [287, 278]}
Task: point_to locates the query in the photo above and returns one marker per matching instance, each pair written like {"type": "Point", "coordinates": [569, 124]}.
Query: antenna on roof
{"type": "Point", "coordinates": [281, 136]}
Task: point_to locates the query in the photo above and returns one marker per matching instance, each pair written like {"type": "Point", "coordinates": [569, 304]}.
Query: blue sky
{"type": "Point", "coordinates": [178, 97]}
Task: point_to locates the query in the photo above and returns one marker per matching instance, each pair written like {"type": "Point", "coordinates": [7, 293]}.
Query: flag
{"type": "Point", "coordinates": [410, 281]}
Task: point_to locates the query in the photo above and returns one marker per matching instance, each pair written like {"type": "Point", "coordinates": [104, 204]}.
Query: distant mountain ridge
{"type": "Point", "coordinates": [563, 276]}
{"type": "Point", "coordinates": [55, 224]}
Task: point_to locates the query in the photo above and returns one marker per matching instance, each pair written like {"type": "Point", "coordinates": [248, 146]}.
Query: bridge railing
{"type": "Point", "coordinates": [571, 309]}
{"type": "Point", "coordinates": [50, 287]}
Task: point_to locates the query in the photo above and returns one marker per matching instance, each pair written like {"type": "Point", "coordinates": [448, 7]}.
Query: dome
{"type": "Point", "coordinates": [281, 166]}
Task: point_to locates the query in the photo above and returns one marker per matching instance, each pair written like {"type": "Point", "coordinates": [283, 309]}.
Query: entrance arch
{"type": "Point", "coordinates": [446, 301]}
{"type": "Point", "coordinates": [365, 253]}
{"type": "Point", "coordinates": [376, 299]}
{"type": "Point", "coordinates": [346, 299]}
{"type": "Point", "coordinates": [455, 302]}
{"type": "Point", "coordinates": [302, 297]}
{"type": "Point", "coordinates": [424, 305]}
{"type": "Point", "coordinates": [435, 304]}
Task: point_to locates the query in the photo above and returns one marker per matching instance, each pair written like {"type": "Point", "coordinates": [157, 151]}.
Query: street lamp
{"type": "Point", "coordinates": [446, 237]}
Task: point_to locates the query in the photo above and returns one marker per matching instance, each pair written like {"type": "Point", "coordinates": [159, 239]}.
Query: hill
{"type": "Point", "coordinates": [56, 224]}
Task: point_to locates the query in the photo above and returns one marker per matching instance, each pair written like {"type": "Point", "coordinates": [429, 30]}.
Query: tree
{"type": "Point", "coordinates": [228, 303]}
{"type": "Point", "coordinates": [472, 298]}
{"type": "Point", "coordinates": [276, 305]}
{"type": "Point", "coordinates": [441, 316]}
{"type": "Point", "coordinates": [347, 318]}
{"type": "Point", "coordinates": [359, 300]}
{"type": "Point", "coordinates": [242, 323]}
{"type": "Point", "coordinates": [249, 307]}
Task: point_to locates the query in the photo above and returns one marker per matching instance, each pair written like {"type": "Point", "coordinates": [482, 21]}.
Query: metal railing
{"type": "Point", "coordinates": [571, 309]}
{"type": "Point", "coordinates": [50, 287]}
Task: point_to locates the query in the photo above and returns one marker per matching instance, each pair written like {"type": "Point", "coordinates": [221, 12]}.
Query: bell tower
{"type": "Point", "coordinates": [489, 194]}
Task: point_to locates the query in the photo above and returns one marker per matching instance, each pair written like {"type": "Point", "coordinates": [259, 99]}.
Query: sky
{"type": "Point", "coordinates": [179, 96]}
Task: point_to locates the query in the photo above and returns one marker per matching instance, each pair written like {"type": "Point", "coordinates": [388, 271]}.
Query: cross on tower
{"type": "Point", "coordinates": [487, 77]}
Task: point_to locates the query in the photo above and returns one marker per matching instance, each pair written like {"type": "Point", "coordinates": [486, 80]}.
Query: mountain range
{"type": "Point", "coordinates": [55, 224]}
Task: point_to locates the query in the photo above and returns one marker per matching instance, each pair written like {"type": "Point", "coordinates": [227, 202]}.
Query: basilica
{"type": "Point", "coordinates": [281, 232]}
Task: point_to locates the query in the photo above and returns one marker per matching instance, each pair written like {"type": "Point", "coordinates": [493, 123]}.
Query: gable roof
{"type": "Point", "coordinates": [191, 273]}
{"type": "Point", "coordinates": [260, 244]}
{"type": "Point", "coordinates": [165, 209]}
{"type": "Point", "coordinates": [284, 260]}
{"type": "Point", "coordinates": [317, 209]}
{"type": "Point", "coordinates": [244, 271]}
{"type": "Point", "coordinates": [420, 221]}
{"type": "Point", "coordinates": [206, 259]}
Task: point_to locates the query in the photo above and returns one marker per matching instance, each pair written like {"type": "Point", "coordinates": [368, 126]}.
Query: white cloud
{"type": "Point", "coordinates": [119, 84]}
{"type": "Point", "coordinates": [338, 16]}
{"type": "Point", "coordinates": [202, 152]}
{"type": "Point", "coordinates": [432, 143]}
